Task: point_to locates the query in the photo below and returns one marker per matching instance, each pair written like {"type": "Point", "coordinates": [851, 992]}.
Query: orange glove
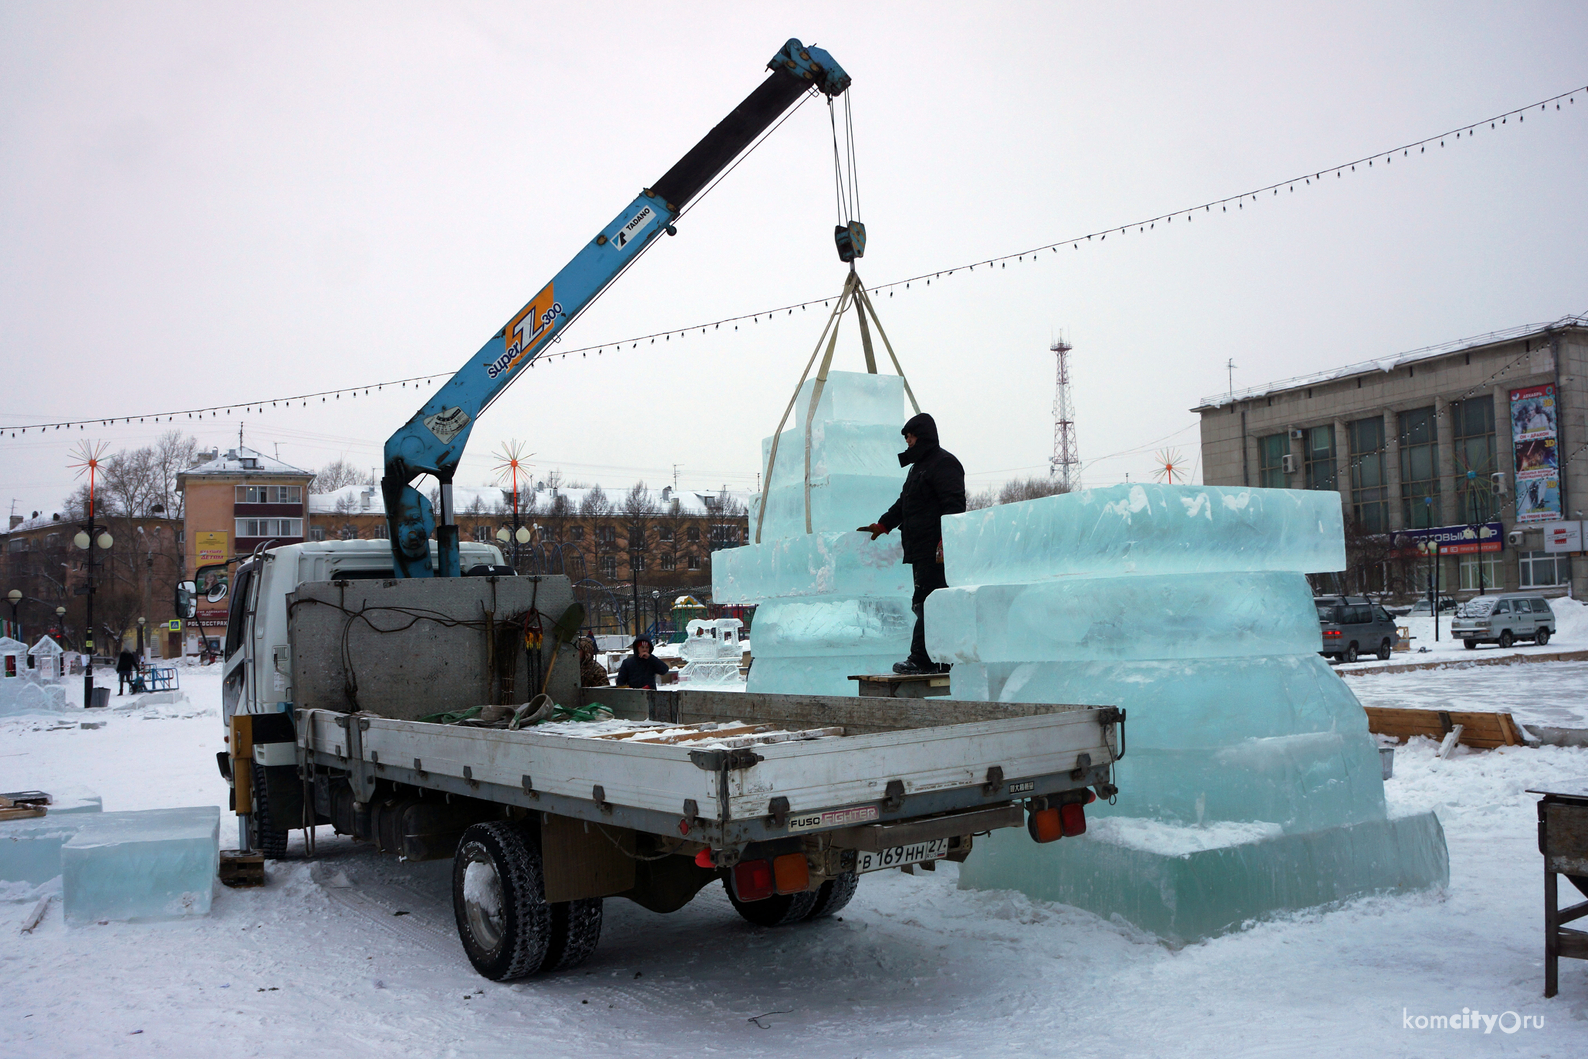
{"type": "Point", "coordinates": [876, 529]}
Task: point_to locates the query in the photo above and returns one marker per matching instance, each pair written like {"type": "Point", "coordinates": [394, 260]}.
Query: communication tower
{"type": "Point", "coordinates": [1066, 463]}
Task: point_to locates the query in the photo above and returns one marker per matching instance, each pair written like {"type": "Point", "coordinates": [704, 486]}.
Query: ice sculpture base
{"type": "Point", "coordinates": [152, 864]}
{"type": "Point", "coordinates": [1186, 884]}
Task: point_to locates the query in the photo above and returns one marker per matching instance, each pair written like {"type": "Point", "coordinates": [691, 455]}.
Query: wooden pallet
{"type": "Point", "coordinates": [1481, 731]}
{"type": "Point", "coordinates": [240, 869]}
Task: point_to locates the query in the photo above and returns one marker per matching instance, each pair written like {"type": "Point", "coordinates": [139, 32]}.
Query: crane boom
{"type": "Point", "coordinates": [432, 442]}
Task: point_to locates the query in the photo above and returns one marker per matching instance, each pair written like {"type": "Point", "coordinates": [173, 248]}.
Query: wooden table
{"type": "Point", "coordinates": [902, 685]}
{"type": "Point", "coordinates": [1563, 840]}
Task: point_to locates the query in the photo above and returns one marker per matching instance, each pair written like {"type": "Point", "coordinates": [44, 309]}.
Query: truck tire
{"type": "Point", "coordinates": [262, 833]}
{"type": "Point", "coordinates": [503, 919]}
{"type": "Point", "coordinates": [779, 910]}
{"type": "Point", "coordinates": [575, 930]}
{"type": "Point", "coordinates": [1542, 637]}
{"type": "Point", "coordinates": [834, 895]}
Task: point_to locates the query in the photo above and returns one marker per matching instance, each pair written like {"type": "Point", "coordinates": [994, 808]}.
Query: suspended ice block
{"type": "Point", "coordinates": [837, 448]}
{"type": "Point", "coordinates": [801, 628]}
{"type": "Point", "coordinates": [813, 564]}
{"type": "Point", "coordinates": [153, 864]}
{"type": "Point", "coordinates": [1146, 529]}
{"type": "Point", "coordinates": [855, 397]}
{"type": "Point", "coordinates": [838, 502]}
{"type": "Point", "coordinates": [1144, 617]}
{"type": "Point", "coordinates": [1189, 883]}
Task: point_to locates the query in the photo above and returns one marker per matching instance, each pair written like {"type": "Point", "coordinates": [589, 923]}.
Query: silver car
{"type": "Point", "coordinates": [1503, 620]}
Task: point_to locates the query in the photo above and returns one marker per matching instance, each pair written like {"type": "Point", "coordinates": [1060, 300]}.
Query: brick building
{"type": "Point", "coordinates": [1479, 444]}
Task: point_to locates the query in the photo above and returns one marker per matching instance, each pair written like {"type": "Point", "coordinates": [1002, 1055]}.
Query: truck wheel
{"type": "Point", "coordinates": [779, 910]}
{"type": "Point", "coordinates": [503, 919]}
{"type": "Point", "coordinates": [575, 930]}
{"type": "Point", "coordinates": [1384, 650]}
{"type": "Point", "coordinates": [262, 831]}
{"type": "Point", "coordinates": [1350, 652]}
{"type": "Point", "coordinates": [834, 895]}
{"type": "Point", "coordinates": [1506, 639]}
{"type": "Point", "coordinates": [1542, 637]}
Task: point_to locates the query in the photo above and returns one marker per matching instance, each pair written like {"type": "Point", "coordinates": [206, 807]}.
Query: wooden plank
{"type": "Point", "coordinates": [706, 733]}
{"type": "Point", "coordinates": [1481, 731]}
{"type": "Point", "coordinates": [21, 812]}
{"type": "Point", "coordinates": [238, 869]}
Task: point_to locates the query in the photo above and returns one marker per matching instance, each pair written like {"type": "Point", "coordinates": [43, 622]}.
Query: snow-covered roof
{"type": "Point", "coordinates": [1389, 363]}
{"type": "Point", "coordinates": [242, 460]}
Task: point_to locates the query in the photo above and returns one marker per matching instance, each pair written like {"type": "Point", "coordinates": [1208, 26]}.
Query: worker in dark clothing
{"type": "Point", "coordinates": [591, 673]}
{"type": "Point", "coordinates": [934, 487]}
{"type": "Point", "coordinates": [126, 666]}
{"type": "Point", "coordinates": [640, 669]}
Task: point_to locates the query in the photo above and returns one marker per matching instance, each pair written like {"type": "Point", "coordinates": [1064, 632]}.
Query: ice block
{"type": "Point", "coordinates": [1082, 618]}
{"type": "Point", "coordinates": [151, 864]}
{"type": "Point", "coordinates": [30, 848]}
{"type": "Point", "coordinates": [787, 628]}
{"type": "Point", "coordinates": [817, 564]}
{"type": "Point", "coordinates": [1146, 529]}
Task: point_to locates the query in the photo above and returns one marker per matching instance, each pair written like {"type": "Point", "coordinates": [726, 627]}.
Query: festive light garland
{"type": "Point", "coordinates": [1002, 261]}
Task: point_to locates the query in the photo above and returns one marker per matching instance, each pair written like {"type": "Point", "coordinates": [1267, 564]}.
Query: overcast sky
{"type": "Point", "coordinates": [214, 203]}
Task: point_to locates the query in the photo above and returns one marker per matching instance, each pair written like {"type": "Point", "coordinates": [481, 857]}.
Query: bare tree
{"type": "Point", "coordinates": [639, 502]}
{"type": "Point", "coordinates": [595, 503]}
{"type": "Point", "coordinates": [339, 474]}
{"type": "Point", "coordinates": [1029, 489]}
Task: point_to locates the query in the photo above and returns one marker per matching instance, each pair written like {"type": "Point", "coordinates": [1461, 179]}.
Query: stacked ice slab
{"type": "Point", "coordinates": [30, 848]}
{"type": "Point", "coordinates": [1250, 782]}
{"type": "Point", "coordinates": [153, 864]}
{"type": "Point", "coordinates": [831, 602]}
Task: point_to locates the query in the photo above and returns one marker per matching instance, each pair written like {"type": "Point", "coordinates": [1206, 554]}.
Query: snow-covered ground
{"type": "Point", "coordinates": [913, 966]}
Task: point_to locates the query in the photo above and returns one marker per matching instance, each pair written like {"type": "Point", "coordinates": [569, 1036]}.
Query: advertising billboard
{"type": "Point", "coordinates": [1535, 441]}
{"type": "Point", "coordinates": [211, 547]}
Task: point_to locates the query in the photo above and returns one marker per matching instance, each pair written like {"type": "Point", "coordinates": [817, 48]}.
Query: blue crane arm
{"type": "Point", "coordinates": [432, 442]}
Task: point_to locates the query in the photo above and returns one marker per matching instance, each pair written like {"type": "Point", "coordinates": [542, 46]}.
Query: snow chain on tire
{"type": "Point", "coordinates": [265, 837]}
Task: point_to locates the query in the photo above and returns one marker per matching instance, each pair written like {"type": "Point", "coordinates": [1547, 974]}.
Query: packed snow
{"type": "Point", "coordinates": [320, 961]}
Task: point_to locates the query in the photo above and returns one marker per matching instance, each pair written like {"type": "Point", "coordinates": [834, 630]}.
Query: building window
{"type": "Point", "coordinates": [317, 533]}
{"type": "Point", "coordinates": [609, 566]}
{"type": "Point", "coordinates": [1319, 455]}
{"type": "Point", "coordinates": [693, 534]}
{"type": "Point", "coordinates": [1369, 495]}
{"type": "Point", "coordinates": [606, 534]}
{"type": "Point", "coordinates": [637, 562]}
{"type": "Point", "coordinates": [270, 527]}
{"type": "Point", "coordinates": [664, 533]}
{"type": "Point", "coordinates": [1542, 569]}
{"type": "Point", "coordinates": [1472, 434]}
{"type": "Point", "coordinates": [270, 494]}
{"type": "Point", "coordinates": [723, 536]}
{"type": "Point", "coordinates": [482, 533]}
{"type": "Point", "coordinates": [1419, 468]}
{"type": "Point", "coordinates": [1271, 452]}
{"type": "Point", "coordinates": [381, 530]}
{"type": "Point", "coordinates": [694, 561]}
{"type": "Point", "coordinates": [669, 563]}
{"type": "Point", "coordinates": [1481, 573]}
{"type": "Point", "coordinates": [576, 533]}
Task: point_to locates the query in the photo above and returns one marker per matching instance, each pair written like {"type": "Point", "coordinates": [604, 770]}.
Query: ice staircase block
{"type": "Point", "coordinates": [814, 564]}
{"type": "Point", "coordinates": [867, 449]}
{"type": "Point", "coordinates": [30, 849]}
{"type": "Point", "coordinates": [1146, 529]}
{"type": "Point", "coordinates": [152, 864]}
{"type": "Point", "coordinates": [1147, 616]}
{"type": "Point", "coordinates": [1186, 884]}
{"type": "Point", "coordinates": [854, 397]}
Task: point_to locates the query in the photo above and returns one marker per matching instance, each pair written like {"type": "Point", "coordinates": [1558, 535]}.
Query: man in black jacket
{"type": "Point", "coordinates": [934, 487]}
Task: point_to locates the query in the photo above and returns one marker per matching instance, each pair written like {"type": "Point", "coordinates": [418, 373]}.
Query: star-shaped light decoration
{"type": "Point", "coordinates": [86, 459]}
{"type": "Point", "coordinates": [1170, 463]}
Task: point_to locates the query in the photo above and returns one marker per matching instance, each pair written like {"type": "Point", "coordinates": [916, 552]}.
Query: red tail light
{"type": "Point", "coordinates": [1072, 819]}
{"type": "Point", "coordinates": [1331, 632]}
{"type": "Point", "coordinates": [753, 880]}
{"type": "Point", "coordinates": [703, 859]}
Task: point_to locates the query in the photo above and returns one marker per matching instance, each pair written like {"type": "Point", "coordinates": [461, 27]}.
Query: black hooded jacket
{"type": "Point", "coordinates": [934, 487]}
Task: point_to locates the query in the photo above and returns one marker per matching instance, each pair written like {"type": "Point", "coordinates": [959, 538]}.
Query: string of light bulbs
{"type": "Point", "coordinates": [1187, 214]}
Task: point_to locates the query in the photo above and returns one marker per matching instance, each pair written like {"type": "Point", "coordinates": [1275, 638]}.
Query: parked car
{"type": "Point", "coordinates": [1354, 625]}
{"type": "Point", "coordinates": [1420, 609]}
{"type": "Point", "coordinates": [1504, 619]}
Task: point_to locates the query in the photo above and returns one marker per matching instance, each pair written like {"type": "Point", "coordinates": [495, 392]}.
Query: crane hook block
{"type": "Point", "coordinates": [851, 240]}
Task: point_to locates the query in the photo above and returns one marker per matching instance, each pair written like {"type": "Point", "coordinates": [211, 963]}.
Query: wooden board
{"type": "Point", "coordinates": [239, 869]}
{"type": "Point", "coordinates": [1481, 731]}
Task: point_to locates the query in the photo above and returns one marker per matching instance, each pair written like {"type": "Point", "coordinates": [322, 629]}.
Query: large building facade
{"type": "Point", "coordinates": [1479, 445]}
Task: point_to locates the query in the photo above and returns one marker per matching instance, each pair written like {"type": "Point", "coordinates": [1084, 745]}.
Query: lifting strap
{"type": "Point", "coordinates": [854, 293]}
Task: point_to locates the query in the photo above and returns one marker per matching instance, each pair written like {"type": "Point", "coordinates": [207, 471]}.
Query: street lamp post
{"type": "Point", "coordinates": [15, 596]}
{"type": "Point", "coordinates": [87, 541]}
{"type": "Point", "coordinates": [141, 622]}
{"type": "Point", "coordinates": [634, 576]}
{"type": "Point", "coordinates": [60, 623]}
{"type": "Point", "coordinates": [1431, 549]}
{"type": "Point", "coordinates": [656, 609]}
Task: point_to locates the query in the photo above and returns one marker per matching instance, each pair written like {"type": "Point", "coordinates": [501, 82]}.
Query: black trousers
{"type": "Point", "coordinates": [928, 579]}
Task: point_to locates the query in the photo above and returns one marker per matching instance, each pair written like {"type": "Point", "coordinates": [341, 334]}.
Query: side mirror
{"type": "Point", "coordinates": [217, 592]}
{"type": "Point", "coordinates": [186, 600]}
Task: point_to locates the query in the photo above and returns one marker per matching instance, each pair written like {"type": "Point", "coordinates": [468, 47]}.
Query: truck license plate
{"type": "Point", "coordinates": [895, 856]}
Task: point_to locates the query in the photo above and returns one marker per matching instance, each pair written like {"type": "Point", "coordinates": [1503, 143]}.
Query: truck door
{"type": "Point", "coordinates": [233, 652]}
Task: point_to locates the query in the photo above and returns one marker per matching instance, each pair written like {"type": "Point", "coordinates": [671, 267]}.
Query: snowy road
{"type": "Point", "coordinates": [912, 966]}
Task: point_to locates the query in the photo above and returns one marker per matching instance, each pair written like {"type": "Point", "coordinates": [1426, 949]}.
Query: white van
{"type": "Point", "coordinates": [1503, 620]}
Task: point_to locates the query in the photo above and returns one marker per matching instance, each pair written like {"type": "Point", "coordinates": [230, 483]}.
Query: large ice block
{"type": "Point", "coordinates": [815, 564]}
{"type": "Point", "coordinates": [787, 628]}
{"type": "Point", "coordinates": [1148, 616]}
{"type": "Point", "coordinates": [152, 864]}
{"type": "Point", "coordinates": [1146, 529]}
{"type": "Point", "coordinates": [1189, 883]}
